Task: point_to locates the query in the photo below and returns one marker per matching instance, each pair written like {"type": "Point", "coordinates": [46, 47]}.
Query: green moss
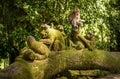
{"type": "Point", "coordinates": [35, 51]}
{"type": "Point", "coordinates": [56, 37]}
{"type": "Point", "coordinates": [26, 69]}
{"type": "Point", "coordinates": [18, 70]}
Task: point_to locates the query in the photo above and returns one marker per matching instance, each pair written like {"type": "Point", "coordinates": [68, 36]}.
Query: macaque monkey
{"type": "Point", "coordinates": [38, 47]}
{"type": "Point", "coordinates": [74, 19]}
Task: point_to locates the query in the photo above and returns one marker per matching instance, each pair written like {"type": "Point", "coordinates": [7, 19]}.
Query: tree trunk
{"type": "Point", "coordinates": [67, 59]}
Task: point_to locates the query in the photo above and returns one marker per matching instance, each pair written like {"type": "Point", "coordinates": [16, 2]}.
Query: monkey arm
{"type": "Point", "coordinates": [49, 36]}
{"type": "Point", "coordinates": [74, 22]}
{"type": "Point", "coordinates": [30, 55]}
{"type": "Point", "coordinates": [81, 20]}
{"type": "Point", "coordinates": [85, 41]}
{"type": "Point", "coordinates": [46, 41]}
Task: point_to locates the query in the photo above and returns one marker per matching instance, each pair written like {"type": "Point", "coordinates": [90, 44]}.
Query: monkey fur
{"type": "Point", "coordinates": [74, 19]}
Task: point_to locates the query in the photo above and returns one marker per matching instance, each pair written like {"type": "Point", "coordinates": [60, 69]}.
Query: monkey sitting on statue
{"type": "Point", "coordinates": [74, 19]}
{"type": "Point", "coordinates": [36, 51]}
{"type": "Point", "coordinates": [53, 38]}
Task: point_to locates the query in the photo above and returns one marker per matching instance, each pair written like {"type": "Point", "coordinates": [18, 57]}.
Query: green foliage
{"type": "Point", "coordinates": [114, 21]}
{"type": "Point", "coordinates": [3, 43]}
{"type": "Point", "coordinates": [4, 61]}
{"type": "Point", "coordinates": [67, 29]}
{"type": "Point", "coordinates": [21, 18]}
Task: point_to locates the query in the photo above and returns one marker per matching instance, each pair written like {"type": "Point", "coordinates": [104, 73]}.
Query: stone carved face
{"type": "Point", "coordinates": [45, 34]}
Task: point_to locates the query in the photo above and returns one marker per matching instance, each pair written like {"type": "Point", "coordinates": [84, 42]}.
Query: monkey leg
{"type": "Point", "coordinates": [46, 41]}
{"type": "Point", "coordinates": [31, 55]}
{"type": "Point", "coordinates": [28, 55]}
{"type": "Point", "coordinates": [58, 45]}
{"type": "Point", "coordinates": [79, 45]}
{"type": "Point", "coordinates": [69, 44]}
{"type": "Point", "coordinates": [85, 41]}
{"type": "Point", "coordinates": [39, 57]}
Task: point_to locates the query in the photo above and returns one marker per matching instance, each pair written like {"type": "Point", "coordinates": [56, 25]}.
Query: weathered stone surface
{"type": "Point", "coordinates": [67, 59]}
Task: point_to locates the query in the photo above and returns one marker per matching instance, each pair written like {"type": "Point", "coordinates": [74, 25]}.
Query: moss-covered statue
{"type": "Point", "coordinates": [80, 41]}
{"type": "Point", "coordinates": [35, 51]}
{"type": "Point", "coordinates": [53, 38]}
{"type": "Point", "coordinates": [61, 29]}
{"type": "Point", "coordinates": [92, 38]}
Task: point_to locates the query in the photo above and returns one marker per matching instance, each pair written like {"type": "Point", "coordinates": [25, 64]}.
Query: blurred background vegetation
{"type": "Point", "coordinates": [20, 18]}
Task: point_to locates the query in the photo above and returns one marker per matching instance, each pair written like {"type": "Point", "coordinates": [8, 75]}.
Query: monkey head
{"type": "Point", "coordinates": [45, 26]}
{"type": "Point", "coordinates": [30, 39]}
{"type": "Point", "coordinates": [76, 13]}
{"type": "Point", "coordinates": [60, 28]}
{"type": "Point", "coordinates": [45, 31]}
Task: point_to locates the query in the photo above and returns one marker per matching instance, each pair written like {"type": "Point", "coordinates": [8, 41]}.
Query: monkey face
{"type": "Point", "coordinates": [60, 28]}
{"type": "Point", "coordinates": [45, 34]}
{"type": "Point", "coordinates": [77, 14]}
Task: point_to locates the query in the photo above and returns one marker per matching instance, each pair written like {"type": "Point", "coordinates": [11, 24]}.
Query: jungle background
{"type": "Point", "coordinates": [20, 18]}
